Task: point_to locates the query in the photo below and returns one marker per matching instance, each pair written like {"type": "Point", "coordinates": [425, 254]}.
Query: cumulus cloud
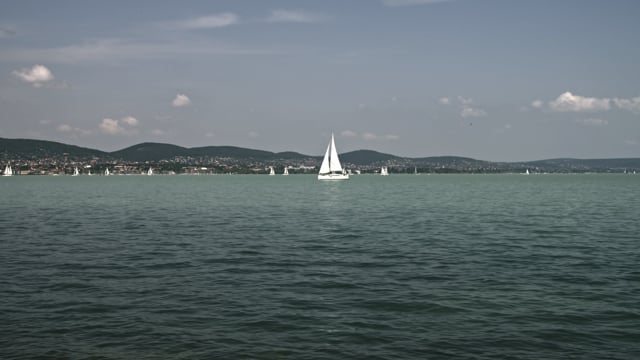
{"type": "Point", "coordinates": [73, 131]}
{"type": "Point", "coordinates": [395, 3]}
{"type": "Point", "coordinates": [632, 105]}
{"type": "Point", "coordinates": [348, 133]}
{"type": "Point", "coordinates": [209, 22]}
{"type": "Point", "coordinates": [537, 104]}
{"type": "Point", "coordinates": [369, 136]}
{"type": "Point", "coordinates": [465, 106]}
{"type": "Point", "coordinates": [37, 75]}
{"type": "Point", "coordinates": [570, 102]}
{"type": "Point", "coordinates": [591, 122]}
{"type": "Point", "coordinates": [444, 101]}
{"type": "Point", "coordinates": [294, 16]}
{"type": "Point", "coordinates": [181, 100]}
{"type": "Point", "coordinates": [468, 111]}
{"type": "Point", "coordinates": [119, 127]}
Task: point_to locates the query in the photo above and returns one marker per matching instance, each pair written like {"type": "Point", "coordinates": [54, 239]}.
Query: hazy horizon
{"type": "Point", "coordinates": [492, 80]}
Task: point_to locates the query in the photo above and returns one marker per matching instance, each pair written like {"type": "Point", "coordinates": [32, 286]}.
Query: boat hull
{"type": "Point", "coordinates": [333, 176]}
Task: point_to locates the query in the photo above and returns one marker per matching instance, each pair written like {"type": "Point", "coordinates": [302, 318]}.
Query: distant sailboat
{"type": "Point", "coordinates": [271, 171]}
{"type": "Point", "coordinates": [415, 170]}
{"type": "Point", "coordinates": [106, 172]}
{"type": "Point", "coordinates": [150, 172]}
{"type": "Point", "coordinates": [76, 172]}
{"type": "Point", "coordinates": [526, 172]}
{"type": "Point", "coordinates": [331, 169]}
{"type": "Point", "coordinates": [89, 173]}
{"type": "Point", "coordinates": [7, 171]}
{"type": "Point", "coordinates": [286, 171]}
{"type": "Point", "coordinates": [384, 171]}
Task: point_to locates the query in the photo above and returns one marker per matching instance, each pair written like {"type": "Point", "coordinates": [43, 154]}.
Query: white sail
{"type": "Point", "coordinates": [324, 168]}
{"type": "Point", "coordinates": [7, 171]}
{"type": "Point", "coordinates": [150, 172]}
{"type": "Point", "coordinates": [334, 161]}
{"type": "Point", "coordinates": [271, 171]}
{"type": "Point", "coordinates": [106, 172]}
{"type": "Point", "coordinates": [384, 171]}
{"type": "Point", "coordinates": [75, 171]}
{"type": "Point", "coordinates": [331, 169]}
{"type": "Point", "coordinates": [286, 171]}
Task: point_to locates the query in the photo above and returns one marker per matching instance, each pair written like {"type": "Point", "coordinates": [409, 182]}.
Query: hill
{"type": "Point", "coordinates": [51, 151]}
{"type": "Point", "coordinates": [42, 149]}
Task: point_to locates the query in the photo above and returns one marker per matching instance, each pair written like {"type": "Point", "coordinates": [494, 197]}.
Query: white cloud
{"type": "Point", "coordinates": [114, 50]}
{"type": "Point", "coordinates": [181, 100]}
{"type": "Point", "coordinates": [569, 102]}
{"type": "Point", "coordinates": [119, 127]}
{"type": "Point", "coordinates": [444, 101]}
{"type": "Point", "coordinates": [537, 104]}
{"type": "Point", "coordinates": [209, 21]}
{"type": "Point", "coordinates": [632, 105]}
{"type": "Point", "coordinates": [468, 111]}
{"type": "Point", "coordinates": [369, 136]}
{"type": "Point", "coordinates": [73, 131]}
{"type": "Point", "coordinates": [37, 75]}
{"type": "Point", "coordinates": [465, 101]}
{"type": "Point", "coordinates": [130, 120]}
{"type": "Point", "coordinates": [592, 122]}
{"type": "Point", "coordinates": [294, 16]}
{"type": "Point", "coordinates": [395, 3]}
{"type": "Point", "coordinates": [348, 133]}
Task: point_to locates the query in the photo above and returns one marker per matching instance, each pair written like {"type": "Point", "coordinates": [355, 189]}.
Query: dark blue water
{"type": "Point", "coordinates": [258, 267]}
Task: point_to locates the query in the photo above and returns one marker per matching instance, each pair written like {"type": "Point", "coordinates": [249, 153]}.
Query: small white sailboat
{"type": "Point", "coordinates": [415, 170]}
{"type": "Point", "coordinates": [286, 171]}
{"type": "Point", "coordinates": [150, 172]}
{"type": "Point", "coordinates": [7, 171]}
{"type": "Point", "coordinates": [271, 171]}
{"type": "Point", "coordinates": [526, 172]}
{"type": "Point", "coordinates": [384, 171]}
{"type": "Point", "coordinates": [76, 172]}
{"type": "Point", "coordinates": [331, 169]}
{"type": "Point", "coordinates": [106, 172]}
{"type": "Point", "coordinates": [89, 173]}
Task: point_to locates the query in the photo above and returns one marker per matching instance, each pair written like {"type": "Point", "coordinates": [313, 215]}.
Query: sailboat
{"type": "Point", "coordinates": [331, 168]}
{"type": "Point", "coordinates": [150, 172]}
{"type": "Point", "coordinates": [526, 172]}
{"type": "Point", "coordinates": [75, 171]}
{"type": "Point", "coordinates": [106, 172]}
{"type": "Point", "coordinates": [271, 171]}
{"type": "Point", "coordinates": [7, 171]}
{"type": "Point", "coordinates": [384, 171]}
{"type": "Point", "coordinates": [286, 171]}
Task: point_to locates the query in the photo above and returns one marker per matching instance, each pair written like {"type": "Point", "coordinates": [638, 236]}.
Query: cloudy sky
{"type": "Point", "coordinates": [500, 80]}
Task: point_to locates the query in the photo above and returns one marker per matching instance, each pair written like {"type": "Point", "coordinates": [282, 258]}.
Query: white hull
{"type": "Point", "coordinates": [333, 176]}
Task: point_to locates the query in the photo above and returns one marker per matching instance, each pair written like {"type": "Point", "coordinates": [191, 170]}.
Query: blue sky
{"type": "Point", "coordinates": [504, 80]}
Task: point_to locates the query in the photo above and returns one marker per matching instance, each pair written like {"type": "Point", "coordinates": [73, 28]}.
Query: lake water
{"type": "Point", "coordinates": [264, 267]}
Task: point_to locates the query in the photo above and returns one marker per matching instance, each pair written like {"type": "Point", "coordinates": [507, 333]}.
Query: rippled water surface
{"type": "Point", "coordinates": [259, 267]}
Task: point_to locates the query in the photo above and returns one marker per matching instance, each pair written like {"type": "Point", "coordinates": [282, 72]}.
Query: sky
{"type": "Point", "coordinates": [499, 80]}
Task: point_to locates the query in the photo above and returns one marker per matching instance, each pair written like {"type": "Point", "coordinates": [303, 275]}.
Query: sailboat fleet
{"type": "Point", "coordinates": [7, 171]}
{"type": "Point", "coordinates": [331, 169]}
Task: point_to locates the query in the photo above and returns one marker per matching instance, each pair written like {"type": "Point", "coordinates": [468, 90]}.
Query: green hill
{"type": "Point", "coordinates": [42, 149]}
